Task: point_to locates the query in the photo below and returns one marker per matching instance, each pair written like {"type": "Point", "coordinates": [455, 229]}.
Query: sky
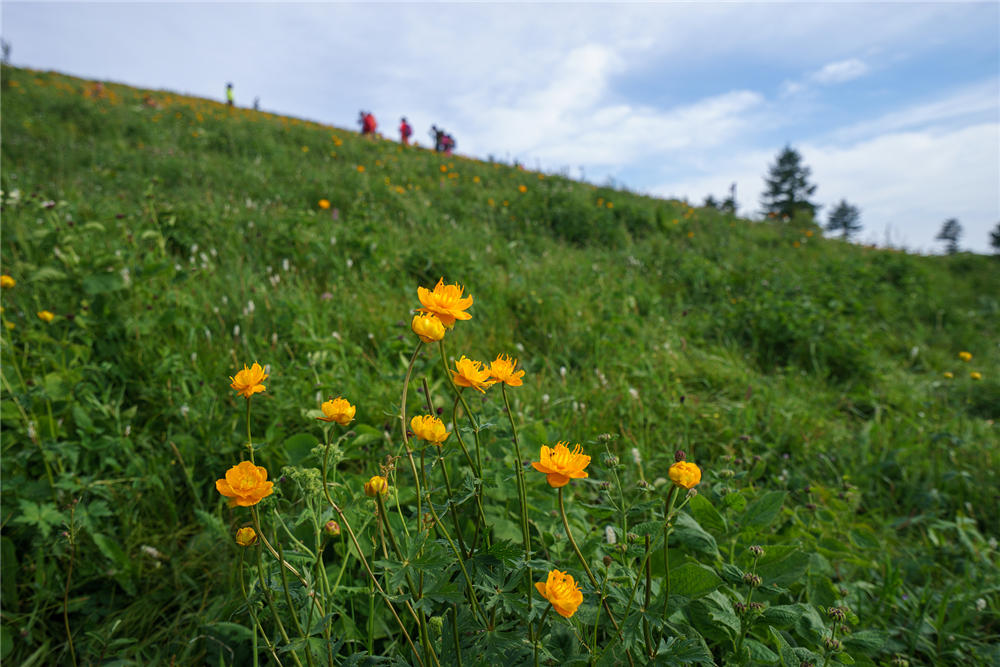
{"type": "Point", "coordinates": [893, 106]}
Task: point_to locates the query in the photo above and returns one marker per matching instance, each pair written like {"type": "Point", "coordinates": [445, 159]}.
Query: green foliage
{"type": "Point", "coordinates": [844, 218]}
{"type": "Point", "coordinates": [788, 187]}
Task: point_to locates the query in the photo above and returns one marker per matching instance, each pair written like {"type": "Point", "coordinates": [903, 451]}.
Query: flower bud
{"type": "Point", "coordinates": [607, 561]}
{"type": "Point", "coordinates": [332, 528]}
{"type": "Point", "coordinates": [679, 456]}
{"type": "Point", "coordinates": [836, 613]}
{"type": "Point", "coordinates": [376, 485]}
{"type": "Point", "coordinates": [751, 579]}
{"type": "Point", "coordinates": [246, 536]}
{"type": "Point", "coordinates": [756, 551]}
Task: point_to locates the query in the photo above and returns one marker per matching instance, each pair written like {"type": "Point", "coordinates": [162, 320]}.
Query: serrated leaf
{"type": "Point", "coordinates": [688, 533]}
{"type": "Point", "coordinates": [760, 653]}
{"type": "Point", "coordinates": [693, 580]}
{"type": "Point", "coordinates": [866, 642]}
{"type": "Point", "coordinates": [676, 651]}
{"type": "Point", "coordinates": [706, 514]}
{"type": "Point", "coordinates": [763, 511]}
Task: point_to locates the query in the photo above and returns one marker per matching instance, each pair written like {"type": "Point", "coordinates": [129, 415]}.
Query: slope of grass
{"type": "Point", "coordinates": [175, 242]}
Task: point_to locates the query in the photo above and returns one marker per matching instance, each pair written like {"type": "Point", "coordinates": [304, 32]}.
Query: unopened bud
{"type": "Point", "coordinates": [836, 613]}
{"type": "Point", "coordinates": [832, 644]}
{"type": "Point", "coordinates": [756, 551]}
{"type": "Point", "coordinates": [607, 561]}
{"type": "Point", "coordinates": [679, 456]}
{"type": "Point", "coordinates": [332, 528]}
{"type": "Point", "coordinates": [751, 579]}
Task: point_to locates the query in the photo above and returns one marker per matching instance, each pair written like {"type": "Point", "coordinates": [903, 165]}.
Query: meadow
{"type": "Point", "coordinates": [839, 402]}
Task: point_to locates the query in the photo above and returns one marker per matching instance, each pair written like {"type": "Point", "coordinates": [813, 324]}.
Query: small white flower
{"type": "Point", "coordinates": [185, 410]}
{"type": "Point", "coordinates": [562, 372]}
{"type": "Point", "coordinates": [151, 552]}
{"type": "Point", "coordinates": [545, 398]}
{"type": "Point", "coordinates": [634, 393]}
{"type": "Point", "coordinates": [274, 338]}
{"type": "Point", "coordinates": [636, 457]}
{"type": "Point", "coordinates": [251, 306]}
{"type": "Point", "coordinates": [208, 334]}
{"type": "Point", "coordinates": [350, 262]}
{"type": "Point", "coordinates": [128, 430]}
{"type": "Point", "coordinates": [609, 535]}
{"type": "Point", "coordinates": [520, 348]}
{"type": "Point", "coordinates": [236, 330]}
{"type": "Point", "coordinates": [31, 430]}
{"type": "Point", "coordinates": [980, 604]}
{"type": "Point", "coordinates": [336, 335]}
{"type": "Point", "coordinates": [285, 265]}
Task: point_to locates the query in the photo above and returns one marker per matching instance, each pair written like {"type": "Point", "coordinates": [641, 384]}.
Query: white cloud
{"type": "Point", "coordinates": [840, 72]}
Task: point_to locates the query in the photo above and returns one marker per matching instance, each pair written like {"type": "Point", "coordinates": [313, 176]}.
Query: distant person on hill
{"type": "Point", "coordinates": [368, 124]}
{"type": "Point", "coordinates": [97, 92]}
{"type": "Point", "coordinates": [229, 94]}
{"type": "Point", "coordinates": [439, 138]}
{"type": "Point", "coordinates": [256, 104]}
{"type": "Point", "coordinates": [448, 144]}
{"type": "Point", "coordinates": [405, 131]}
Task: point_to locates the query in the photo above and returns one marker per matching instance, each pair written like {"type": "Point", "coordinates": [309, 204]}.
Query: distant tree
{"type": "Point", "coordinates": [995, 239]}
{"type": "Point", "coordinates": [729, 203]}
{"type": "Point", "coordinates": [844, 218]}
{"type": "Point", "coordinates": [5, 51]}
{"type": "Point", "coordinates": [788, 188]}
{"type": "Point", "coordinates": [710, 202]}
{"type": "Point", "coordinates": [950, 233]}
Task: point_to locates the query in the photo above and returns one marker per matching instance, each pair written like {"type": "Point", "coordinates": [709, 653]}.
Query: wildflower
{"type": "Point", "coordinates": [7, 282]}
{"type": "Point", "coordinates": [562, 592]}
{"type": "Point", "coordinates": [976, 375]}
{"type": "Point", "coordinates": [429, 428]}
{"type": "Point", "coordinates": [446, 302]}
{"type": "Point", "coordinates": [471, 373]}
{"type": "Point", "coordinates": [332, 528]}
{"type": "Point", "coordinates": [443, 168]}
{"type": "Point", "coordinates": [610, 205]}
{"type": "Point", "coordinates": [948, 375]}
{"type": "Point", "coordinates": [248, 381]}
{"type": "Point", "coordinates": [324, 204]}
{"type": "Point", "coordinates": [561, 465]}
{"type": "Point", "coordinates": [361, 168]}
{"type": "Point", "coordinates": [376, 485]}
{"type": "Point", "coordinates": [522, 189]}
{"type": "Point", "coordinates": [46, 316]}
{"type": "Point", "coordinates": [428, 328]}
{"type": "Point", "coordinates": [965, 356]}
{"type": "Point", "coordinates": [245, 537]}
{"type": "Point", "coordinates": [338, 410]}
{"type": "Point", "coordinates": [502, 370]}
{"type": "Point", "coordinates": [684, 474]}
{"type": "Point", "coordinates": [245, 484]}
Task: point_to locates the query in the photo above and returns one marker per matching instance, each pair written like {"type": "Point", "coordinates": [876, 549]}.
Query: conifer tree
{"type": "Point", "coordinates": [995, 239]}
{"type": "Point", "coordinates": [844, 218]}
{"type": "Point", "coordinates": [788, 187]}
{"type": "Point", "coordinates": [950, 232]}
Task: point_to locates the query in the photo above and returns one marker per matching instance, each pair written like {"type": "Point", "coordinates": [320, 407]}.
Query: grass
{"type": "Point", "coordinates": [175, 243]}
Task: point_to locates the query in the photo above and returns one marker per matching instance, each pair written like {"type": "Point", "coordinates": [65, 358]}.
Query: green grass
{"type": "Point", "coordinates": [175, 244]}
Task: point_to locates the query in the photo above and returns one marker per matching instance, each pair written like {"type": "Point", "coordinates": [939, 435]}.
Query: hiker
{"type": "Point", "coordinates": [256, 104]}
{"type": "Point", "coordinates": [229, 94]}
{"type": "Point", "coordinates": [439, 138]}
{"type": "Point", "coordinates": [368, 124]}
{"type": "Point", "coordinates": [448, 144]}
{"type": "Point", "coordinates": [405, 131]}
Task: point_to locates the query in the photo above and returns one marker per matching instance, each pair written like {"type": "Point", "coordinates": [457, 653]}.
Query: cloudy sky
{"type": "Point", "coordinates": [894, 106]}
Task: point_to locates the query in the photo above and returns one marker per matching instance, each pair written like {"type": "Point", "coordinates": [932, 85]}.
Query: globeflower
{"type": "Point", "coordinates": [428, 328]}
{"type": "Point", "coordinates": [248, 381]}
{"type": "Point", "coordinates": [965, 356]}
{"type": "Point", "coordinates": [948, 375]}
{"type": "Point", "coordinates": [561, 465]}
{"type": "Point", "coordinates": [324, 204]}
{"type": "Point", "coordinates": [502, 370]}
{"type": "Point", "coordinates": [976, 375]}
{"type": "Point", "coordinates": [429, 428]}
{"type": "Point", "coordinates": [446, 302]}
{"type": "Point", "coordinates": [685, 475]}
{"type": "Point", "coordinates": [46, 316]}
{"type": "Point", "coordinates": [471, 373]}
{"type": "Point", "coordinates": [7, 282]}
{"type": "Point", "coordinates": [562, 592]}
{"type": "Point", "coordinates": [376, 485]}
{"type": "Point", "coordinates": [338, 410]}
{"type": "Point", "coordinates": [245, 484]}
{"type": "Point", "coordinates": [246, 536]}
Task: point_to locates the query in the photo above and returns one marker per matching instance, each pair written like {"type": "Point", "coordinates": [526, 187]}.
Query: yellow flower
{"type": "Point", "coordinates": [324, 204]}
{"type": "Point", "coordinates": [46, 316]}
{"type": "Point", "coordinates": [685, 475]}
{"type": "Point", "coordinates": [610, 205]}
{"type": "Point", "coordinates": [522, 189]}
{"type": "Point", "coordinates": [561, 465]}
{"type": "Point", "coordinates": [475, 179]}
{"type": "Point", "coordinates": [446, 302]}
{"type": "Point", "coordinates": [428, 328]}
{"type": "Point", "coordinates": [965, 356]}
{"type": "Point", "coordinates": [245, 484]}
{"type": "Point", "coordinates": [502, 370]}
{"type": "Point", "coordinates": [305, 149]}
{"type": "Point", "coordinates": [976, 375]}
{"type": "Point", "coordinates": [429, 428]}
{"type": "Point", "coordinates": [443, 168]}
{"type": "Point", "coordinates": [471, 373]}
{"type": "Point", "coordinates": [562, 592]}
{"type": "Point", "coordinates": [7, 282]}
{"type": "Point", "coordinates": [338, 410]}
{"type": "Point", "coordinates": [361, 168]}
{"type": "Point", "coordinates": [948, 375]}
{"type": "Point", "coordinates": [246, 536]}
{"type": "Point", "coordinates": [248, 381]}
{"type": "Point", "coordinates": [376, 485]}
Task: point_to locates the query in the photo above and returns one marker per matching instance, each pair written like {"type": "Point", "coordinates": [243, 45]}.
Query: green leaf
{"type": "Point", "coordinates": [784, 571]}
{"type": "Point", "coordinates": [785, 652]}
{"type": "Point", "coordinates": [693, 580]}
{"type": "Point", "coordinates": [676, 651]}
{"type": "Point", "coordinates": [781, 616]}
{"type": "Point", "coordinates": [297, 447]}
{"type": "Point", "coordinates": [760, 653]}
{"type": "Point", "coordinates": [43, 516]}
{"type": "Point", "coordinates": [688, 533]}
{"type": "Point", "coordinates": [866, 642]}
{"type": "Point", "coordinates": [706, 514]}
{"type": "Point", "coordinates": [763, 511]}
{"type": "Point", "coordinates": [103, 283]}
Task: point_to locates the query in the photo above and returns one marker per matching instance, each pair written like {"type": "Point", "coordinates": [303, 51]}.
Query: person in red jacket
{"type": "Point", "coordinates": [368, 123]}
{"type": "Point", "coordinates": [405, 131]}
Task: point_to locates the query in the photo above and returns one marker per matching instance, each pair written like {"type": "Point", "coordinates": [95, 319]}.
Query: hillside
{"type": "Point", "coordinates": [175, 240]}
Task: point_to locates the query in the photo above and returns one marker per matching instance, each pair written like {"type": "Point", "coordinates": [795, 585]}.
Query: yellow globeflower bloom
{"type": "Point", "coordinates": [471, 373]}
{"type": "Point", "coordinates": [429, 428]}
{"type": "Point", "coordinates": [248, 381]}
{"type": "Point", "coordinates": [562, 592]}
{"type": "Point", "coordinates": [245, 484]}
{"type": "Point", "coordinates": [428, 328]}
{"type": "Point", "coordinates": [948, 375]}
{"type": "Point", "coordinates": [324, 204]}
{"type": "Point", "coordinates": [338, 410]}
{"type": "Point", "coordinates": [7, 282]}
{"type": "Point", "coordinates": [685, 475]}
{"type": "Point", "coordinates": [446, 302]}
{"type": "Point", "coordinates": [561, 465]}
{"type": "Point", "coordinates": [376, 485]}
{"type": "Point", "coordinates": [246, 536]}
{"type": "Point", "coordinates": [46, 316]}
{"type": "Point", "coordinates": [965, 356]}
{"type": "Point", "coordinates": [522, 189]}
{"type": "Point", "coordinates": [976, 375]}
{"type": "Point", "coordinates": [502, 370]}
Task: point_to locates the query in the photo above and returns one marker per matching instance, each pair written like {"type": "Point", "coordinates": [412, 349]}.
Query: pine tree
{"type": "Point", "coordinates": [845, 219]}
{"type": "Point", "coordinates": [788, 187]}
{"type": "Point", "coordinates": [950, 232]}
{"type": "Point", "coordinates": [995, 239]}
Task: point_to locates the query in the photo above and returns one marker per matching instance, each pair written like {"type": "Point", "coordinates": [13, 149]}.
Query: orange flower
{"type": "Point", "coordinates": [7, 282]}
{"type": "Point", "coordinates": [338, 410]}
{"type": "Point", "coordinates": [561, 465]}
{"type": "Point", "coordinates": [361, 168]}
{"type": "Point", "coordinates": [446, 302]}
{"type": "Point", "coordinates": [471, 373]}
{"type": "Point", "coordinates": [965, 356]}
{"type": "Point", "coordinates": [245, 484]}
{"type": "Point", "coordinates": [502, 370]}
{"type": "Point", "coordinates": [46, 316]}
{"type": "Point", "coordinates": [685, 475]}
{"type": "Point", "coordinates": [324, 204]}
{"type": "Point", "coordinates": [376, 485]}
{"type": "Point", "coordinates": [248, 381]}
{"type": "Point", "coordinates": [429, 428]}
{"type": "Point", "coordinates": [522, 189]}
{"type": "Point", "coordinates": [246, 536]}
{"type": "Point", "coordinates": [562, 592]}
{"type": "Point", "coordinates": [428, 328]}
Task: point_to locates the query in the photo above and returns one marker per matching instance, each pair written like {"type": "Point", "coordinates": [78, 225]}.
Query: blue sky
{"type": "Point", "coordinates": [894, 106]}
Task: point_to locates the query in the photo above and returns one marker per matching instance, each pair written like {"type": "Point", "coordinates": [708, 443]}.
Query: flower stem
{"type": "Point", "coordinates": [667, 508]}
{"type": "Point", "coordinates": [291, 610]}
{"type": "Point", "coordinates": [523, 501]}
{"type": "Point", "coordinates": [406, 439]}
{"type": "Point", "coordinates": [249, 439]}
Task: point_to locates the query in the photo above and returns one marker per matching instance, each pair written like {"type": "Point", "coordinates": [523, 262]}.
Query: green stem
{"type": "Point", "coordinates": [249, 439]}
{"type": "Point", "coordinates": [267, 589]}
{"type": "Point", "coordinates": [406, 439]}
{"type": "Point", "coordinates": [667, 508]}
{"type": "Point", "coordinates": [461, 562]}
{"type": "Point", "coordinates": [523, 500]}
{"type": "Point", "coordinates": [291, 609]}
